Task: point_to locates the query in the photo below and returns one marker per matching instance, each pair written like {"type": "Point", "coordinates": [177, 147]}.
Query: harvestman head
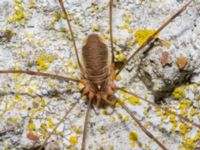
{"type": "Point", "coordinates": [99, 74]}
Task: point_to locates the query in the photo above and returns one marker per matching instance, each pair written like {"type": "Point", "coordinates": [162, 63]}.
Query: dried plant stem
{"type": "Point", "coordinates": [111, 32]}
{"type": "Point", "coordinates": [163, 108]}
{"type": "Point", "coordinates": [38, 74]}
{"type": "Point", "coordinates": [61, 121]}
{"type": "Point", "coordinates": [141, 126]}
{"type": "Point", "coordinates": [141, 49]}
{"type": "Point", "coordinates": [85, 126]}
{"type": "Point", "coordinates": [71, 31]}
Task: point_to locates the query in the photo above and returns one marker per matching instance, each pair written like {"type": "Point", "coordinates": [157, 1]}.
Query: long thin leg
{"type": "Point", "coordinates": [151, 38]}
{"type": "Point", "coordinates": [85, 126]}
{"type": "Point", "coordinates": [111, 33]}
{"type": "Point", "coordinates": [71, 32]}
{"type": "Point", "coordinates": [38, 74]}
{"type": "Point", "coordinates": [164, 108]}
{"type": "Point", "coordinates": [141, 126]}
{"type": "Point", "coordinates": [62, 120]}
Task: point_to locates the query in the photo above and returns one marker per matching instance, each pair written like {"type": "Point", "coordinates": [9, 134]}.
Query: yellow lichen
{"type": "Point", "coordinates": [126, 118]}
{"type": "Point", "coordinates": [134, 100]}
{"type": "Point", "coordinates": [23, 107]}
{"type": "Point", "coordinates": [17, 15]}
{"type": "Point", "coordinates": [183, 129]}
{"type": "Point", "coordinates": [130, 30]}
{"type": "Point", "coordinates": [147, 124]}
{"type": "Point", "coordinates": [103, 6]}
{"type": "Point", "coordinates": [165, 43]}
{"type": "Point", "coordinates": [95, 27]}
{"type": "Point", "coordinates": [122, 92]}
{"type": "Point", "coordinates": [75, 129]}
{"type": "Point", "coordinates": [55, 17]}
{"type": "Point", "coordinates": [43, 102]}
{"type": "Point", "coordinates": [40, 43]}
{"type": "Point", "coordinates": [172, 118]}
{"type": "Point", "coordinates": [174, 126]}
{"type": "Point", "coordinates": [179, 92]}
{"type": "Point", "coordinates": [33, 110]}
{"type": "Point", "coordinates": [7, 101]}
{"type": "Point", "coordinates": [23, 53]}
{"type": "Point", "coordinates": [142, 35]}
{"type": "Point", "coordinates": [133, 136]}
{"type": "Point", "coordinates": [117, 104]}
{"type": "Point", "coordinates": [127, 20]}
{"type": "Point", "coordinates": [10, 106]}
{"type": "Point", "coordinates": [189, 144]}
{"type": "Point", "coordinates": [102, 131]}
{"type": "Point", "coordinates": [146, 114]}
{"type": "Point", "coordinates": [120, 57]}
{"type": "Point", "coordinates": [14, 119]}
{"type": "Point", "coordinates": [125, 26]}
{"type": "Point", "coordinates": [30, 90]}
{"type": "Point", "coordinates": [31, 127]}
{"type": "Point", "coordinates": [119, 116]}
{"type": "Point", "coordinates": [17, 98]}
{"type": "Point", "coordinates": [127, 17]}
{"type": "Point", "coordinates": [43, 128]}
{"type": "Point", "coordinates": [164, 114]}
{"type": "Point", "coordinates": [197, 136]}
{"type": "Point", "coordinates": [70, 65]}
{"type": "Point", "coordinates": [43, 62]}
{"type": "Point", "coordinates": [32, 4]}
{"type": "Point", "coordinates": [50, 124]}
{"type": "Point", "coordinates": [112, 118]}
{"type": "Point", "coordinates": [184, 105]}
{"type": "Point", "coordinates": [174, 122]}
{"type": "Point", "coordinates": [73, 140]}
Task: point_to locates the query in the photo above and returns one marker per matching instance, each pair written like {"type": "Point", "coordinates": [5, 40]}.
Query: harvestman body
{"type": "Point", "coordinates": [97, 70]}
{"type": "Point", "coordinates": [98, 74]}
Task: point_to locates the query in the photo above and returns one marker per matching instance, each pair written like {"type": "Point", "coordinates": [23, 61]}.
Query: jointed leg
{"type": "Point", "coordinates": [85, 126]}
{"type": "Point", "coordinates": [111, 34]}
{"type": "Point", "coordinates": [61, 121]}
{"type": "Point", "coordinates": [141, 49]}
{"type": "Point", "coordinates": [163, 108]}
{"type": "Point", "coordinates": [141, 126]}
{"type": "Point", "coordinates": [71, 32]}
{"type": "Point", "coordinates": [38, 74]}
{"type": "Point", "coordinates": [111, 101]}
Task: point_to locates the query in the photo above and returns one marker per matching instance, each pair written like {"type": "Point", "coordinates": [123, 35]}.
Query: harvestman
{"type": "Point", "coordinates": [98, 75]}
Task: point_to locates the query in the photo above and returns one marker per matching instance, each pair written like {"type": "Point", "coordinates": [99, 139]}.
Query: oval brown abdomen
{"type": "Point", "coordinates": [95, 58]}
